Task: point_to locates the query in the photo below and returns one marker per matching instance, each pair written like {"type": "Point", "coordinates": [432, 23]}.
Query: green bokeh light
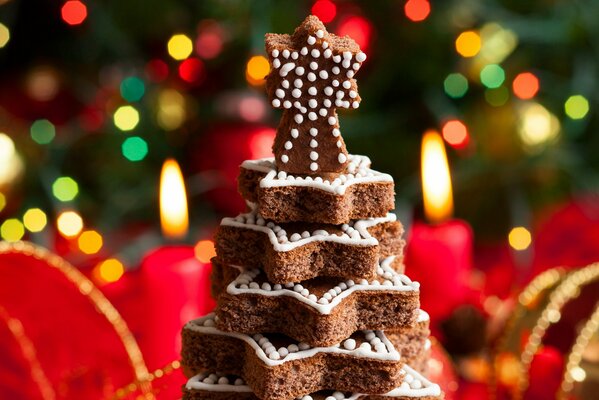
{"type": "Point", "coordinates": [497, 97]}
{"type": "Point", "coordinates": [42, 131]}
{"type": "Point", "coordinates": [492, 76]}
{"type": "Point", "coordinates": [65, 188]}
{"type": "Point", "coordinates": [132, 88]}
{"type": "Point", "coordinates": [576, 106]}
{"type": "Point", "coordinates": [134, 148]}
{"type": "Point", "coordinates": [456, 85]}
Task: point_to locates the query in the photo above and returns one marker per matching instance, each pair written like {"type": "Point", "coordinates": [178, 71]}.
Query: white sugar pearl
{"type": "Point", "coordinates": [366, 346]}
{"type": "Point", "coordinates": [313, 143]}
{"type": "Point", "coordinates": [356, 66]}
{"type": "Point", "coordinates": [280, 93]}
{"type": "Point", "coordinates": [209, 323]}
{"type": "Point", "coordinates": [285, 69]}
{"type": "Point", "coordinates": [276, 103]}
{"type": "Point", "coordinates": [346, 63]}
{"type": "Point", "coordinates": [276, 63]}
{"type": "Point", "coordinates": [335, 83]}
{"type": "Point", "coordinates": [350, 74]}
{"type": "Point", "coordinates": [353, 94]}
{"type": "Point", "coordinates": [306, 234]}
{"type": "Point", "coordinates": [313, 131]}
{"type": "Point", "coordinates": [289, 285]}
{"type": "Point", "coordinates": [339, 94]}
{"type": "Point", "coordinates": [287, 104]}
{"type": "Point", "coordinates": [277, 286]}
{"type": "Point", "coordinates": [336, 70]}
{"type": "Point", "coordinates": [323, 112]}
{"type": "Point", "coordinates": [363, 282]}
{"type": "Point", "coordinates": [327, 103]}
{"type": "Point", "coordinates": [239, 382]}
{"type": "Point", "coordinates": [349, 344]}
{"type": "Point", "coordinates": [328, 91]}
{"type": "Point", "coordinates": [347, 84]}
{"type": "Point", "coordinates": [322, 300]}
{"type": "Point", "coordinates": [304, 51]}
{"type": "Point", "coordinates": [295, 237]}
{"type": "Point", "coordinates": [347, 55]}
{"type": "Point", "coordinates": [223, 380]}
{"type": "Point", "coordinates": [313, 297]}
{"type": "Point", "coordinates": [298, 288]}
{"type": "Point", "coordinates": [209, 381]}
{"type": "Point", "coordinates": [294, 133]}
{"type": "Point", "coordinates": [298, 83]}
{"type": "Point", "coordinates": [343, 286]}
{"type": "Point", "coordinates": [313, 156]}
{"type": "Point", "coordinates": [244, 286]}
{"type": "Point", "coordinates": [327, 296]}
{"type": "Point", "coordinates": [337, 58]}
{"type": "Point", "coordinates": [312, 116]}
{"type": "Point", "coordinates": [284, 158]}
{"type": "Point", "coordinates": [342, 158]}
{"type": "Point", "coordinates": [327, 53]}
{"type": "Point", "coordinates": [283, 351]}
{"type": "Point", "coordinates": [332, 120]}
{"type": "Point", "coordinates": [312, 91]}
{"type": "Point", "coordinates": [303, 346]}
{"type": "Point", "coordinates": [262, 341]}
{"type": "Point", "coordinates": [314, 65]}
{"type": "Point", "coordinates": [299, 71]}
{"type": "Point", "coordinates": [361, 57]}
{"type": "Point", "coordinates": [313, 166]}
{"type": "Point", "coordinates": [325, 44]}
{"type": "Point", "coordinates": [294, 55]}
{"type": "Point", "coordinates": [274, 355]}
{"type": "Point", "coordinates": [315, 53]}
{"type": "Point", "coordinates": [254, 285]}
{"type": "Point", "coordinates": [296, 93]}
{"type": "Point", "coordinates": [292, 348]}
{"type": "Point", "coordinates": [416, 385]}
{"type": "Point", "coordinates": [338, 102]}
{"type": "Point", "coordinates": [311, 77]}
{"type": "Point", "coordinates": [311, 40]}
{"type": "Point", "coordinates": [312, 103]}
{"type": "Point", "coordinates": [375, 341]}
{"type": "Point", "coordinates": [355, 104]}
{"type": "Point", "coordinates": [275, 53]}
{"type": "Point", "coordinates": [336, 132]}
{"type": "Point", "coordinates": [319, 34]}
{"type": "Point", "coordinates": [350, 283]}
{"type": "Point", "coordinates": [286, 53]}
{"type": "Point", "coordinates": [323, 74]}
{"type": "Point", "coordinates": [337, 289]}
{"type": "Point", "coordinates": [298, 118]}
{"type": "Point", "coordinates": [285, 84]}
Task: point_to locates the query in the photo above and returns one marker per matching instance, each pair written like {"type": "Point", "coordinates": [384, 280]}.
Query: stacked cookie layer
{"type": "Point", "coordinates": [312, 299]}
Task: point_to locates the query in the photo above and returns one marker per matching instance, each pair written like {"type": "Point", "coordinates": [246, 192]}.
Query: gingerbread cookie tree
{"type": "Point", "coordinates": [313, 303]}
{"type": "Point", "coordinates": [312, 75]}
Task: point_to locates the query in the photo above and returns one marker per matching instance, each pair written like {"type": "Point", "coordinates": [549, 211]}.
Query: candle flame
{"type": "Point", "coordinates": [436, 180]}
{"type": "Point", "coordinates": [173, 201]}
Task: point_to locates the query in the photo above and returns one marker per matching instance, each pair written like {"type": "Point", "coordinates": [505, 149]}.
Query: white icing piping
{"type": "Point", "coordinates": [356, 233]}
{"type": "Point", "coordinates": [358, 172]}
{"type": "Point", "coordinates": [391, 281]}
{"type": "Point", "coordinates": [383, 348]}
{"type": "Point", "coordinates": [414, 385]}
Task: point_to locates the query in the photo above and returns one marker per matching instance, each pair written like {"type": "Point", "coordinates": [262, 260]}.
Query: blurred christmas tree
{"type": "Point", "coordinates": [95, 95]}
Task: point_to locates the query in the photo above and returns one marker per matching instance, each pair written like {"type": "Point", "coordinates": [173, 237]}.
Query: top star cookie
{"type": "Point", "coordinates": [312, 74]}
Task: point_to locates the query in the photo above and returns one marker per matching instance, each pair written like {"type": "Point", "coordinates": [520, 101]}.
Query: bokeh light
{"type": "Point", "coordinates": [417, 10]}
{"type": "Point", "coordinates": [12, 230]}
{"type": "Point", "coordinates": [252, 108]}
{"type": "Point", "coordinates": [492, 76]}
{"type": "Point", "coordinates": [42, 83]}
{"type": "Point", "coordinates": [90, 242]}
{"type": "Point", "coordinates": [69, 223]}
{"type": "Point", "coordinates": [179, 47]}
{"type": "Point", "coordinates": [519, 238]}
{"type": "Point", "coordinates": [65, 188]}
{"type": "Point", "coordinates": [326, 10]}
{"type": "Point", "coordinates": [4, 35]}
{"type": "Point", "coordinates": [2, 201]}
{"type": "Point", "coordinates": [191, 70]}
{"type": "Point", "coordinates": [455, 85]}
{"type": "Point", "coordinates": [576, 106]}
{"type": "Point", "coordinates": [11, 164]}
{"type": "Point", "coordinates": [468, 44]}
{"type": "Point", "coordinates": [109, 270]}
{"type": "Point", "coordinates": [537, 125]}
{"type": "Point", "coordinates": [525, 85]}
{"type": "Point", "coordinates": [134, 148]}
{"type": "Point", "coordinates": [210, 40]}
{"type": "Point", "coordinates": [256, 70]}
{"type": "Point", "coordinates": [171, 109]}
{"type": "Point", "coordinates": [204, 251]}
{"type": "Point", "coordinates": [42, 131]}
{"type": "Point", "coordinates": [455, 133]}
{"type": "Point", "coordinates": [156, 70]}
{"type": "Point", "coordinates": [497, 97]}
{"type": "Point", "coordinates": [132, 88]}
{"type": "Point", "coordinates": [358, 28]}
{"type": "Point", "coordinates": [35, 220]}
{"type": "Point", "coordinates": [73, 12]}
{"type": "Point", "coordinates": [126, 118]}
{"type": "Point", "coordinates": [497, 43]}
{"type": "Point", "coordinates": [261, 143]}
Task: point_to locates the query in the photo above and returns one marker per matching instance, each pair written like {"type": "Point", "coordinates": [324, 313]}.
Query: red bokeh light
{"type": "Point", "coordinates": [156, 70]}
{"type": "Point", "coordinates": [73, 12]}
{"type": "Point", "coordinates": [210, 40]}
{"type": "Point", "coordinates": [358, 28]}
{"type": "Point", "coordinates": [191, 70]}
{"type": "Point", "coordinates": [525, 85]}
{"type": "Point", "coordinates": [326, 10]}
{"type": "Point", "coordinates": [455, 133]}
{"type": "Point", "coordinates": [417, 10]}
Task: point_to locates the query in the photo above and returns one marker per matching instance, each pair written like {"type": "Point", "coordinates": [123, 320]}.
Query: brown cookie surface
{"type": "Point", "coordinates": [294, 252]}
{"type": "Point", "coordinates": [210, 385]}
{"type": "Point", "coordinates": [321, 311]}
{"type": "Point", "coordinates": [279, 368]}
{"type": "Point", "coordinates": [311, 76]}
{"type": "Point", "coordinates": [359, 193]}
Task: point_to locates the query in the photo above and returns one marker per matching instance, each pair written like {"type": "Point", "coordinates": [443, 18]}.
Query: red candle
{"type": "Point", "coordinates": [439, 253]}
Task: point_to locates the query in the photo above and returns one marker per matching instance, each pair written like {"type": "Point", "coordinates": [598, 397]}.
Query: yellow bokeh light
{"type": "Point", "coordinates": [576, 106]}
{"type": "Point", "coordinates": [520, 238]}
{"type": "Point", "coordinates": [436, 180]}
{"type": "Point", "coordinates": [537, 125]}
{"type": "Point", "coordinates": [204, 250]}
{"type": "Point", "coordinates": [4, 35]}
{"type": "Point", "coordinates": [256, 70]}
{"type": "Point", "coordinates": [69, 223]}
{"type": "Point", "coordinates": [126, 118]}
{"type": "Point", "coordinates": [109, 270]}
{"type": "Point", "coordinates": [468, 44]}
{"type": "Point", "coordinates": [35, 220]}
{"type": "Point", "coordinates": [497, 43]}
{"type": "Point", "coordinates": [171, 109]}
{"type": "Point", "coordinates": [180, 47]}
{"type": "Point", "coordinates": [11, 164]}
{"type": "Point", "coordinates": [2, 201]}
{"type": "Point", "coordinates": [12, 230]}
{"type": "Point", "coordinates": [90, 242]}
